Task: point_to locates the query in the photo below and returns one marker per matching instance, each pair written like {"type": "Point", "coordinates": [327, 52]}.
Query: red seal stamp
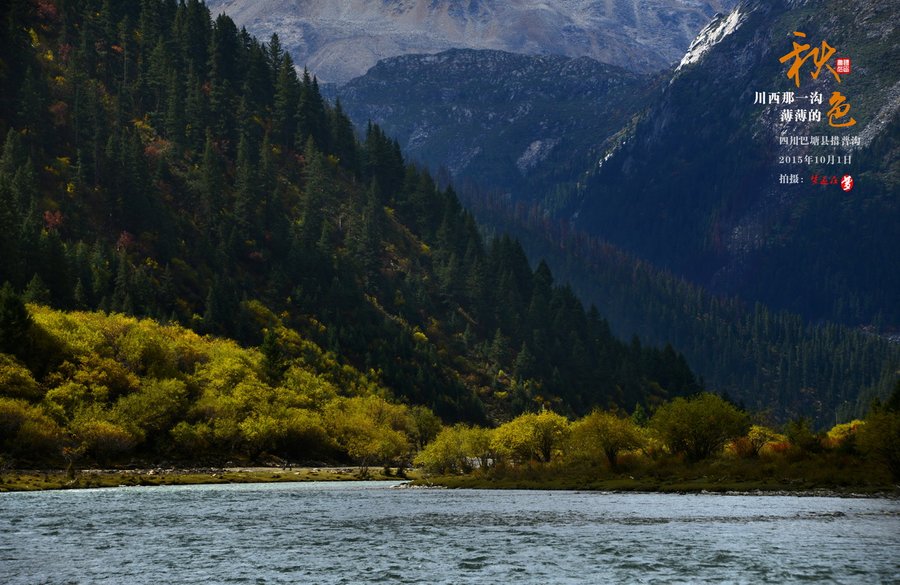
{"type": "Point", "coordinates": [847, 183]}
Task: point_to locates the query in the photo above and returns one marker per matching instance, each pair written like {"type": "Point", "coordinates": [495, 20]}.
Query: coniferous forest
{"type": "Point", "coordinates": [211, 274]}
{"type": "Point", "coordinates": [767, 360]}
{"type": "Point", "coordinates": [202, 260]}
{"type": "Point", "coordinates": [159, 163]}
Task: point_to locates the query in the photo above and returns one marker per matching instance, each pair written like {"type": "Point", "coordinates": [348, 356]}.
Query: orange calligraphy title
{"type": "Point", "coordinates": [820, 56]}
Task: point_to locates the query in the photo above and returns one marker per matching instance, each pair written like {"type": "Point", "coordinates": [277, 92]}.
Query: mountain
{"type": "Point", "coordinates": [513, 122]}
{"type": "Point", "coordinates": [341, 39]}
{"type": "Point", "coordinates": [680, 228]}
{"type": "Point", "coordinates": [770, 361]}
{"type": "Point", "coordinates": [696, 138]}
{"type": "Point", "coordinates": [688, 183]}
{"type": "Point", "coordinates": [160, 164]}
{"type": "Point", "coordinates": [165, 166]}
{"type": "Point", "coordinates": [696, 186]}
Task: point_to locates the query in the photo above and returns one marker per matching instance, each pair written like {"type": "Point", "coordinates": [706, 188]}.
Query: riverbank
{"type": "Point", "coordinates": [653, 485]}
{"type": "Point", "coordinates": [34, 480]}
{"type": "Point", "coordinates": [37, 480]}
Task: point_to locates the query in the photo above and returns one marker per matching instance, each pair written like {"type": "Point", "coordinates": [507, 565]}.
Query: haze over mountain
{"type": "Point", "coordinates": [341, 39]}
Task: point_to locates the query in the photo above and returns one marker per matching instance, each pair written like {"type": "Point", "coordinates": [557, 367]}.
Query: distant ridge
{"type": "Point", "coordinates": [341, 39]}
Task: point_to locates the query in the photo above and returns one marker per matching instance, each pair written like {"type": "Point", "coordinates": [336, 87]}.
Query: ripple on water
{"type": "Point", "coordinates": [326, 533]}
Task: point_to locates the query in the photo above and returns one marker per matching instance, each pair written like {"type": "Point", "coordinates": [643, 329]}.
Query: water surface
{"type": "Point", "coordinates": [370, 533]}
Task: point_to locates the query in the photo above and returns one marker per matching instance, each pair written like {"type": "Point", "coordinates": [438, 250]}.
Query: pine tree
{"type": "Point", "coordinates": [312, 120]}
{"type": "Point", "coordinates": [212, 184]}
{"type": "Point", "coordinates": [137, 208]}
{"type": "Point", "coordinates": [121, 298]}
{"type": "Point", "coordinates": [195, 112]}
{"type": "Point", "coordinates": [32, 111]}
{"type": "Point", "coordinates": [246, 196]}
{"type": "Point", "coordinates": [101, 274]}
{"type": "Point", "coordinates": [273, 357]}
{"type": "Point", "coordinates": [267, 184]}
{"type": "Point", "coordinates": [175, 115]}
{"type": "Point", "coordinates": [158, 77]}
{"type": "Point", "coordinates": [523, 368]}
{"type": "Point", "coordinates": [343, 139]}
{"type": "Point", "coordinates": [37, 292]}
{"type": "Point", "coordinates": [80, 296]}
{"type": "Point", "coordinates": [275, 54]}
{"type": "Point", "coordinates": [287, 95]}
{"type": "Point", "coordinates": [150, 23]}
{"type": "Point", "coordinates": [315, 193]}
{"type": "Point", "coordinates": [498, 350]}
{"type": "Point", "coordinates": [223, 63]}
{"type": "Point", "coordinates": [193, 29]}
{"type": "Point", "coordinates": [222, 310]}
{"type": "Point", "coordinates": [15, 322]}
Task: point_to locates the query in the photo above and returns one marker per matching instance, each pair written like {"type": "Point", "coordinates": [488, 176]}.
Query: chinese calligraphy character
{"type": "Point", "coordinates": [839, 109]}
{"type": "Point", "coordinates": [819, 55]}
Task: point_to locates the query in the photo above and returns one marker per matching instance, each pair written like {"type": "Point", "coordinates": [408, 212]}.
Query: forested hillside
{"type": "Point", "coordinates": [120, 387]}
{"type": "Point", "coordinates": [771, 361]}
{"type": "Point", "coordinates": [159, 163]}
{"type": "Point", "coordinates": [525, 124]}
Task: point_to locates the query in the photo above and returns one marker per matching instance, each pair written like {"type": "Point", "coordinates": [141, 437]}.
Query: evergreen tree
{"type": "Point", "coordinates": [287, 95]}
{"type": "Point", "coordinates": [175, 115]}
{"type": "Point", "coordinates": [312, 120]}
{"type": "Point", "coordinates": [246, 196]}
{"type": "Point", "coordinates": [273, 357]}
{"type": "Point", "coordinates": [15, 321]}
{"type": "Point", "coordinates": [37, 292]}
{"type": "Point", "coordinates": [524, 365]}
{"type": "Point", "coordinates": [343, 139]}
{"type": "Point", "coordinates": [195, 112]}
{"type": "Point", "coordinates": [223, 70]}
{"type": "Point", "coordinates": [32, 112]}
{"type": "Point", "coordinates": [9, 232]}
{"type": "Point", "coordinates": [212, 184]}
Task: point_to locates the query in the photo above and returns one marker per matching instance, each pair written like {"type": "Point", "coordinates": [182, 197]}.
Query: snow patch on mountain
{"type": "Point", "coordinates": [715, 31]}
{"type": "Point", "coordinates": [536, 152]}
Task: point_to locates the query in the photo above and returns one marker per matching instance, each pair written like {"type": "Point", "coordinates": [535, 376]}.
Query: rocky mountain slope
{"type": "Point", "coordinates": [717, 187]}
{"type": "Point", "coordinates": [339, 40]}
{"type": "Point", "coordinates": [512, 122]}
{"type": "Point", "coordinates": [691, 183]}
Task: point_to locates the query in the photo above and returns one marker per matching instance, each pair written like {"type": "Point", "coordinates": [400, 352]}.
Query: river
{"type": "Point", "coordinates": [369, 532]}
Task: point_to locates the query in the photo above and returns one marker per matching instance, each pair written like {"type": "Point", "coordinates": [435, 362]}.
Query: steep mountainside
{"type": "Point", "coordinates": [161, 164]}
{"type": "Point", "coordinates": [512, 122]}
{"type": "Point", "coordinates": [772, 361]}
{"type": "Point", "coordinates": [698, 186]}
{"type": "Point", "coordinates": [342, 39]}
